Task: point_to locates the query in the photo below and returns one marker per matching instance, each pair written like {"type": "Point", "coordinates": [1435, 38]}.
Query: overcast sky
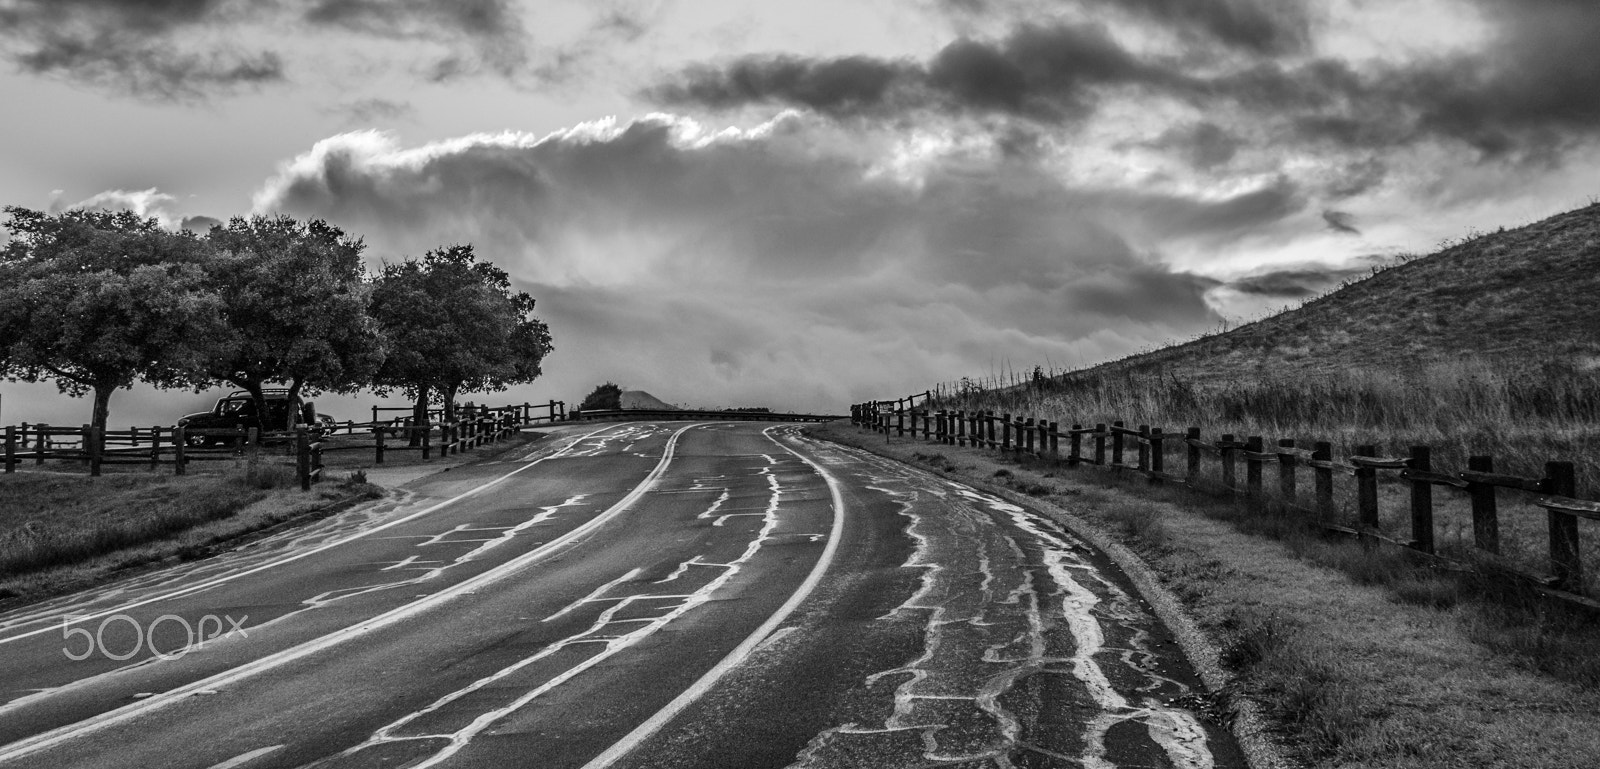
{"type": "Point", "coordinates": [803, 205]}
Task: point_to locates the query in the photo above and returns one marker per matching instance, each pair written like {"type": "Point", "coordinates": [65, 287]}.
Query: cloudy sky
{"type": "Point", "coordinates": [803, 205]}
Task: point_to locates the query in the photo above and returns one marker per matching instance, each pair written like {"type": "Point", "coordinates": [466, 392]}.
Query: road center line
{"type": "Point", "coordinates": [96, 723]}
{"type": "Point", "coordinates": [745, 648]}
{"type": "Point", "coordinates": [51, 627]}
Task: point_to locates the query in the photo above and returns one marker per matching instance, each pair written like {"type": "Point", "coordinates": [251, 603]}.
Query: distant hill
{"type": "Point", "coordinates": [1527, 295]}
{"type": "Point", "coordinates": [639, 399]}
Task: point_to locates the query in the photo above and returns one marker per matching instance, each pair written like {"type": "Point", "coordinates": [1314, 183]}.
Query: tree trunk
{"type": "Point", "coordinates": [253, 387]}
{"type": "Point", "coordinates": [419, 414]}
{"type": "Point", "coordinates": [102, 405]}
{"type": "Point", "coordinates": [449, 393]}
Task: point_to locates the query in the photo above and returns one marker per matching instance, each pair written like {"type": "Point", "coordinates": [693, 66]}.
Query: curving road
{"type": "Point", "coordinates": [637, 595]}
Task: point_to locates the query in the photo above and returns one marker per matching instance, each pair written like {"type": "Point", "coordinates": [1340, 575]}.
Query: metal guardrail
{"type": "Point", "coordinates": [680, 415]}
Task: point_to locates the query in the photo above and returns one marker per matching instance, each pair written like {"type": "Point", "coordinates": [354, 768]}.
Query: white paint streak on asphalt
{"type": "Point", "coordinates": [423, 726]}
{"type": "Point", "coordinates": [978, 645]}
{"type": "Point", "coordinates": [51, 623]}
{"type": "Point", "coordinates": [755, 639]}
{"type": "Point", "coordinates": [241, 760]}
{"type": "Point", "coordinates": [101, 721]}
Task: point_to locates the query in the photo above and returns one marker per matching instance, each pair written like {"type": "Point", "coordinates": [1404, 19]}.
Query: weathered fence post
{"type": "Point", "coordinates": [1252, 467]}
{"type": "Point", "coordinates": [1075, 446]}
{"type": "Point", "coordinates": [1324, 475]}
{"type": "Point", "coordinates": [1564, 556]}
{"type": "Point", "coordinates": [1005, 432]}
{"type": "Point", "coordinates": [302, 450]}
{"type": "Point", "coordinates": [42, 445]}
{"type": "Point", "coordinates": [1367, 488]}
{"type": "Point", "coordinates": [11, 448]}
{"type": "Point", "coordinates": [1116, 443]}
{"type": "Point", "coordinates": [1191, 440]}
{"type": "Point", "coordinates": [377, 436]}
{"type": "Point", "coordinates": [93, 437]}
{"type": "Point", "coordinates": [1027, 432]}
{"type": "Point", "coordinates": [1055, 441]}
{"type": "Point", "coordinates": [1100, 443]}
{"type": "Point", "coordinates": [1158, 458]}
{"type": "Point", "coordinates": [1230, 478]}
{"type": "Point", "coordinates": [1422, 500]}
{"type": "Point", "coordinates": [900, 422]}
{"type": "Point", "coordinates": [1286, 467]}
{"type": "Point", "coordinates": [1485, 518]}
{"type": "Point", "coordinates": [180, 441]}
{"type": "Point", "coordinates": [155, 447]}
{"type": "Point", "coordinates": [1143, 442]}
{"type": "Point", "coordinates": [988, 418]}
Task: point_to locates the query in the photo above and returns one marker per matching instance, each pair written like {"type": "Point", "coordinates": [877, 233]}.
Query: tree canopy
{"type": "Point", "coordinates": [96, 301]}
{"type": "Point", "coordinates": [454, 325]}
{"type": "Point", "coordinates": [295, 302]}
{"type": "Point", "coordinates": [606, 396]}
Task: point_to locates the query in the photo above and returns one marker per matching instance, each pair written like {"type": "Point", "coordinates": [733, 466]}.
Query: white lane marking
{"type": "Point", "coordinates": [744, 649]}
{"type": "Point", "coordinates": [74, 619]}
{"type": "Point", "coordinates": [599, 591]}
{"type": "Point", "coordinates": [95, 723]}
{"type": "Point", "coordinates": [246, 758]}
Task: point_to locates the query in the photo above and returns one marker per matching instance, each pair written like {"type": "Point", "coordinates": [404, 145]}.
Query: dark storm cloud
{"type": "Point", "coordinates": [158, 49]}
{"type": "Point", "coordinates": [1203, 145]}
{"type": "Point", "coordinates": [1305, 280]}
{"type": "Point", "coordinates": [199, 223]}
{"type": "Point", "coordinates": [783, 250]}
{"type": "Point", "coordinates": [1050, 73]}
{"type": "Point", "coordinates": [1341, 221]}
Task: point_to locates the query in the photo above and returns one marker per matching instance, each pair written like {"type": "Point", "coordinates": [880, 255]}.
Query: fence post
{"type": "Point", "coordinates": [1192, 453]}
{"type": "Point", "coordinates": [1324, 453]}
{"type": "Point", "coordinates": [179, 443]}
{"type": "Point", "coordinates": [252, 444]}
{"type": "Point", "coordinates": [1116, 442]}
{"type": "Point", "coordinates": [1100, 443]}
{"type": "Point", "coordinates": [1367, 488]}
{"type": "Point", "coordinates": [1044, 438]}
{"type": "Point", "coordinates": [988, 418]}
{"type": "Point", "coordinates": [1286, 467]}
{"type": "Point", "coordinates": [1564, 557]}
{"type": "Point", "coordinates": [155, 447]}
{"type": "Point", "coordinates": [42, 444]}
{"type": "Point", "coordinates": [377, 434]}
{"type": "Point", "coordinates": [92, 438]}
{"type": "Point", "coordinates": [1485, 518]}
{"type": "Point", "coordinates": [1005, 432]}
{"type": "Point", "coordinates": [1027, 431]}
{"type": "Point", "coordinates": [1230, 478]}
{"type": "Point", "coordinates": [1252, 468]}
{"type": "Point", "coordinates": [900, 422]}
{"type": "Point", "coordinates": [1158, 459]}
{"type": "Point", "coordinates": [302, 450]}
{"type": "Point", "coordinates": [1075, 446]}
{"type": "Point", "coordinates": [1143, 443]}
{"type": "Point", "coordinates": [1422, 501]}
{"type": "Point", "coordinates": [11, 448]}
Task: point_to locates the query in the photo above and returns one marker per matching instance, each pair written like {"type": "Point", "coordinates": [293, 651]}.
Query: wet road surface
{"type": "Point", "coordinates": [635, 595]}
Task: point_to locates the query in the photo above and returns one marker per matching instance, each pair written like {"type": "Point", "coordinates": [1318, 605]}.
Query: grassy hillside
{"type": "Point", "coordinates": [1518, 297]}
{"type": "Point", "coordinates": [1491, 346]}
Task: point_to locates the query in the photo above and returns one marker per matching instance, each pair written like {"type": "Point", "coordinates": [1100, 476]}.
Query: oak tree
{"type": "Point", "coordinates": [294, 297]}
{"type": "Point", "coordinates": [96, 300]}
{"type": "Point", "coordinates": [454, 325]}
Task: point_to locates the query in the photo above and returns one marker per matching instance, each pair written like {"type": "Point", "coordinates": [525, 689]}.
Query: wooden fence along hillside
{"type": "Point", "coordinates": [1110, 446]}
{"type": "Point", "coordinates": [155, 446]}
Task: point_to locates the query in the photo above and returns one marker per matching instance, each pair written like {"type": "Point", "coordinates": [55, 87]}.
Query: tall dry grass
{"type": "Point", "coordinates": [1522, 416]}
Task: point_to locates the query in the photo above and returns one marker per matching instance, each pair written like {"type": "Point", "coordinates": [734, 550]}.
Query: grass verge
{"type": "Point", "coordinates": [1359, 657]}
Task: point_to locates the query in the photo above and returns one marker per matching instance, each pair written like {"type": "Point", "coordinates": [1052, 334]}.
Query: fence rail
{"type": "Point", "coordinates": [1144, 449]}
{"type": "Point", "coordinates": [307, 444]}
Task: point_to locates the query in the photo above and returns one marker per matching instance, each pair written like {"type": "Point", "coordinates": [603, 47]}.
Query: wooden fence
{"type": "Point", "coordinates": [1145, 450]}
{"type": "Point", "coordinates": [679, 415]}
{"type": "Point", "coordinates": [307, 444]}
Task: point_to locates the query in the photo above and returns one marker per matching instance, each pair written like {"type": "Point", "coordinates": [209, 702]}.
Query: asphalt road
{"type": "Point", "coordinates": [725, 595]}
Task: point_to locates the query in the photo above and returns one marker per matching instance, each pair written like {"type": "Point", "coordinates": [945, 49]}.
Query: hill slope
{"type": "Point", "coordinates": [1527, 295]}
{"type": "Point", "coordinates": [639, 399]}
